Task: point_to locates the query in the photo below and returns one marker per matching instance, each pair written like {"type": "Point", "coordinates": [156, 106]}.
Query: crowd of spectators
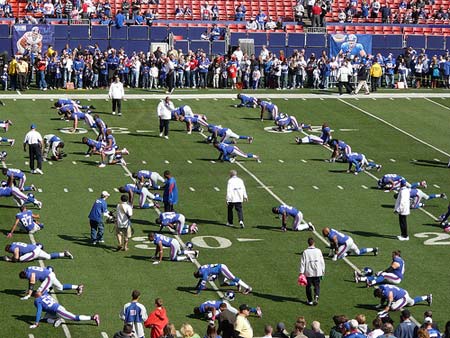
{"type": "Point", "coordinates": [90, 67]}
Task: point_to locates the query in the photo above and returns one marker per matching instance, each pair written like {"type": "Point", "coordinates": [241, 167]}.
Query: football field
{"type": "Point", "coordinates": [407, 134]}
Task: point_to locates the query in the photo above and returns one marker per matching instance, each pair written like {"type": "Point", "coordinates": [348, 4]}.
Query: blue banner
{"type": "Point", "coordinates": [351, 45]}
{"type": "Point", "coordinates": [32, 39]}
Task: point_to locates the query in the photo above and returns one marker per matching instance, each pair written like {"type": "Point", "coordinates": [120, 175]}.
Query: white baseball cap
{"type": "Point", "coordinates": [105, 193]}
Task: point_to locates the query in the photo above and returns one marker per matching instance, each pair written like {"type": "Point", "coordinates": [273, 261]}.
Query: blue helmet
{"type": "Point", "coordinates": [368, 271]}
{"type": "Point", "coordinates": [189, 245]}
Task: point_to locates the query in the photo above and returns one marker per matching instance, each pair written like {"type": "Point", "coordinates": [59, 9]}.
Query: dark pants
{"type": "Point", "coordinates": [164, 126]}
{"type": "Point", "coordinates": [168, 207]}
{"type": "Point", "coordinates": [117, 104]}
{"type": "Point", "coordinates": [97, 230]}
{"type": "Point", "coordinates": [35, 152]}
{"type": "Point", "coordinates": [347, 85]}
{"type": "Point", "coordinates": [170, 80]}
{"type": "Point", "coordinates": [402, 219]}
{"type": "Point", "coordinates": [238, 207]}
{"type": "Point", "coordinates": [22, 79]}
{"type": "Point", "coordinates": [312, 282]}
{"type": "Point", "coordinates": [374, 83]}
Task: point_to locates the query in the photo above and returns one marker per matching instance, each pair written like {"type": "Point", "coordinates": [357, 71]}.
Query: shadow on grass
{"type": "Point", "coordinates": [140, 258]}
{"type": "Point", "coordinates": [277, 298]}
{"type": "Point", "coordinates": [77, 153]}
{"type": "Point", "coordinates": [342, 171]}
{"type": "Point", "coordinates": [388, 206]}
{"type": "Point", "coordinates": [434, 225]}
{"type": "Point", "coordinates": [430, 163]}
{"type": "Point", "coordinates": [210, 159]}
{"type": "Point", "coordinates": [12, 292]}
{"type": "Point", "coordinates": [25, 318]}
{"type": "Point", "coordinates": [91, 163]}
{"type": "Point", "coordinates": [86, 241]}
{"type": "Point", "coordinates": [142, 221]}
{"type": "Point", "coordinates": [193, 290]}
{"type": "Point", "coordinates": [269, 228]}
{"type": "Point", "coordinates": [369, 234]}
{"type": "Point", "coordinates": [365, 306]}
{"type": "Point", "coordinates": [256, 118]}
{"type": "Point", "coordinates": [200, 221]}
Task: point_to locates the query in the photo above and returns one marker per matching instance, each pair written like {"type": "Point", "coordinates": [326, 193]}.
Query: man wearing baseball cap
{"type": "Point", "coordinates": [98, 210]}
{"type": "Point", "coordinates": [35, 145]}
{"type": "Point", "coordinates": [242, 326]}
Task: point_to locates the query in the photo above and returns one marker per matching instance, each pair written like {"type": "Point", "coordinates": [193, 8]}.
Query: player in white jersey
{"type": "Point", "coordinates": [30, 42]}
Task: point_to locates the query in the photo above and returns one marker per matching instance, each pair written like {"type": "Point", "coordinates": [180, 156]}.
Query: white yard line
{"type": "Point", "coordinates": [438, 104]}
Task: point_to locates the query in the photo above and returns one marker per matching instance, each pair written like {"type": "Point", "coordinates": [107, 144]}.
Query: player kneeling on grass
{"type": "Point", "coordinates": [53, 145]}
{"type": "Point", "coordinates": [285, 211]}
{"type": "Point", "coordinates": [146, 178]}
{"type": "Point", "coordinates": [340, 150]}
{"type": "Point", "coordinates": [26, 220]}
{"type": "Point", "coordinates": [146, 198]}
{"type": "Point", "coordinates": [394, 298]}
{"type": "Point", "coordinates": [23, 252]}
{"type": "Point", "coordinates": [287, 122]}
{"type": "Point", "coordinates": [48, 280]}
{"type": "Point", "coordinates": [246, 101]}
{"type": "Point", "coordinates": [393, 182]}
{"type": "Point", "coordinates": [111, 154]}
{"type": "Point", "coordinates": [342, 244]}
{"type": "Point", "coordinates": [4, 124]}
{"type": "Point", "coordinates": [229, 152]}
{"type": "Point", "coordinates": [176, 222]}
{"type": "Point", "coordinates": [393, 274]}
{"type": "Point", "coordinates": [211, 308]}
{"type": "Point", "coordinates": [176, 253]}
{"type": "Point", "coordinates": [210, 272]}
{"type": "Point", "coordinates": [17, 178]}
{"type": "Point", "coordinates": [360, 162]}
{"type": "Point", "coordinates": [194, 123]}
{"type": "Point", "coordinates": [55, 313]}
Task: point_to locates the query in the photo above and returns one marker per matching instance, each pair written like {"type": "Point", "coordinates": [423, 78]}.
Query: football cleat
{"type": "Point", "coordinates": [430, 299]}
{"type": "Point", "coordinates": [96, 319]}
{"type": "Point", "coordinates": [258, 312]}
{"type": "Point", "coordinates": [356, 276]}
{"type": "Point", "coordinates": [102, 165]}
{"type": "Point", "coordinates": [424, 184]}
{"type": "Point", "coordinates": [80, 289]}
{"type": "Point", "coordinates": [250, 140]}
{"type": "Point", "coordinates": [375, 251]}
{"type": "Point", "coordinates": [125, 151]}
{"type": "Point", "coordinates": [58, 322]}
{"type": "Point", "coordinates": [444, 196]}
{"type": "Point", "coordinates": [189, 245]}
{"type": "Point", "coordinates": [232, 160]}
{"type": "Point", "coordinates": [33, 187]}
{"type": "Point", "coordinates": [12, 142]}
{"type": "Point", "coordinates": [193, 229]}
{"type": "Point", "coordinates": [38, 204]}
{"type": "Point", "coordinates": [241, 223]}
{"type": "Point", "coordinates": [229, 295]}
{"type": "Point", "coordinates": [68, 254]}
{"type": "Point", "coordinates": [311, 227]}
{"type": "Point", "coordinates": [298, 140]}
{"type": "Point", "coordinates": [247, 291]}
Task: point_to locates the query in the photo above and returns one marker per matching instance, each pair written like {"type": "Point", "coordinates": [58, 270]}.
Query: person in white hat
{"type": "Point", "coordinates": [98, 210]}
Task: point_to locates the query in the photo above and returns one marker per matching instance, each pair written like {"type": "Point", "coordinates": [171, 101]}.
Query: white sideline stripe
{"type": "Point", "coordinates": [291, 187]}
{"type": "Point", "coordinates": [440, 105]}
{"type": "Point", "coordinates": [248, 239]}
{"type": "Point", "coordinates": [27, 163]}
{"type": "Point", "coordinates": [213, 162]}
{"type": "Point", "coordinates": [104, 334]}
{"type": "Point", "coordinates": [39, 190]}
{"type": "Point", "coordinates": [144, 162]}
{"type": "Point", "coordinates": [50, 162]}
{"type": "Point", "coordinates": [116, 190]}
{"type": "Point", "coordinates": [436, 186]}
{"type": "Point", "coordinates": [30, 335]}
{"type": "Point", "coordinates": [216, 189]}
{"type": "Point", "coordinates": [436, 159]}
{"type": "Point", "coordinates": [166, 162]}
{"type": "Point", "coordinates": [315, 187]}
{"type": "Point", "coordinates": [395, 127]}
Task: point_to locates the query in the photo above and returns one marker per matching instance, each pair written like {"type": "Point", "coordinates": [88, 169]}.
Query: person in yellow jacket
{"type": "Point", "coordinates": [12, 72]}
{"type": "Point", "coordinates": [375, 74]}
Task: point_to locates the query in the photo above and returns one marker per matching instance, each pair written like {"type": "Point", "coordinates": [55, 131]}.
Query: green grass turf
{"type": "Point", "coordinates": [269, 265]}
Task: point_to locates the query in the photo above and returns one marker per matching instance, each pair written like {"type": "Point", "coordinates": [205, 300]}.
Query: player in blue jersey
{"type": "Point", "coordinates": [324, 138]}
{"type": "Point", "coordinates": [181, 111]}
{"type": "Point", "coordinates": [209, 272]}
{"type": "Point", "coordinates": [135, 314]}
{"type": "Point", "coordinates": [392, 275]}
{"type": "Point", "coordinates": [212, 308]}
{"type": "Point", "coordinates": [361, 163]}
{"type": "Point", "coordinates": [342, 244]}
{"type": "Point", "coordinates": [147, 178]}
{"type": "Point", "coordinates": [416, 195]}
{"type": "Point", "coordinates": [350, 48]}
{"type": "Point", "coordinates": [443, 220]}
{"type": "Point", "coordinates": [101, 127]}
{"type": "Point", "coordinates": [146, 198]}
{"type": "Point", "coordinates": [394, 298]}
{"type": "Point", "coordinates": [98, 211]}
{"type": "Point", "coordinates": [270, 107]}
{"type": "Point", "coordinates": [95, 147]}
{"type": "Point", "coordinates": [392, 182]}
{"type": "Point", "coordinates": [111, 150]}
{"type": "Point", "coordinates": [23, 252]}
{"type": "Point", "coordinates": [194, 123]}
{"type": "Point", "coordinates": [17, 178]}
{"type": "Point", "coordinates": [77, 116]}
{"type": "Point", "coordinates": [19, 197]}
{"type": "Point", "coordinates": [53, 145]}
{"type": "Point", "coordinates": [170, 194]}
{"type": "Point", "coordinates": [55, 313]}
{"type": "Point", "coordinates": [246, 101]}
{"type": "Point", "coordinates": [289, 122]}
{"type": "Point", "coordinates": [285, 211]}
{"type": "Point", "coordinates": [11, 141]}
{"type": "Point", "coordinates": [176, 253]}
{"type": "Point", "coordinates": [47, 277]}
{"type": "Point", "coordinates": [175, 222]}
{"type": "Point", "coordinates": [26, 220]}
{"type": "Point", "coordinates": [226, 134]}
{"type": "Point", "coordinates": [5, 125]}
{"type": "Point", "coordinates": [340, 150]}
{"type": "Point", "coordinates": [228, 152]}
{"type": "Point", "coordinates": [63, 101]}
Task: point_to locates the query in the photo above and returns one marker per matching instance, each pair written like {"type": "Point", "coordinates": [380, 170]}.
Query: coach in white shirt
{"type": "Point", "coordinates": [165, 114]}
{"type": "Point", "coordinates": [116, 93]}
{"type": "Point", "coordinates": [312, 266]}
{"type": "Point", "coordinates": [236, 194]}
{"type": "Point", "coordinates": [35, 145]}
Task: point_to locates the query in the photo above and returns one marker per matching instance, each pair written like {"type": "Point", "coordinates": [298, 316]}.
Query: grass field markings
{"type": "Point", "coordinates": [197, 99]}
{"type": "Point", "coordinates": [116, 190]}
{"type": "Point", "coordinates": [30, 335]}
{"type": "Point", "coordinates": [125, 100]}
{"type": "Point", "coordinates": [27, 163]}
{"type": "Point", "coordinates": [233, 99]}
{"type": "Point", "coordinates": [356, 99]}
{"type": "Point", "coordinates": [281, 161]}
{"type": "Point", "coordinates": [364, 187]}
{"type": "Point", "coordinates": [191, 189]}
{"type": "Point", "coordinates": [348, 129]}
{"type": "Point", "coordinates": [396, 128]}
{"type": "Point", "coordinates": [74, 162]}
{"type": "Point", "coordinates": [291, 187]}
{"type": "Point", "coordinates": [265, 186]}
{"type": "Point", "coordinates": [303, 99]}
{"type": "Point", "coordinates": [89, 100]}
{"type": "Point", "coordinates": [66, 190]}
{"type": "Point", "coordinates": [14, 99]}
{"type": "Point", "coordinates": [34, 100]}
{"type": "Point", "coordinates": [189, 161]}
{"type": "Point", "coordinates": [104, 334]}
{"type": "Point", "coordinates": [436, 103]}
{"type": "Point", "coordinates": [144, 131]}
{"type": "Point", "coordinates": [142, 100]}
{"type": "Point", "coordinates": [90, 190]}
{"type": "Point", "coordinates": [216, 189]}
{"type": "Point", "coordinates": [39, 190]}
{"type": "Point", "coordinates": [315, 187]}
{"type": "Point", "coordinates": [50, 162]}
{"type": "Point", "coordinates": [373, 98]}
{"type": "Point", "coordinates": [286, 99]}
{"type": "Point", "coordinates": [409, 99]}
{"type": "Point", "coordinates": [391, 98]}
{"type": "Point", "coordinates": [216, 99]}
{"type": "Point", "coordinates": [248, 239]}
{"type": "Point", "coordinates": [340, 187]}
{"type": "Point", "coordinates": [436, 186]}
{"type": "Point", "coordinates": [212, 161]}
{"type": "Point", "coordinates": [392, 160]}
{"type": "Point", "coordinates": [304, 161]}
{"type": "Point", "coordinates": [436, 159]}
{"type": "Point", "coordinates": [166, 162]}
{"type": "Point", "coordinates": [144, 162]}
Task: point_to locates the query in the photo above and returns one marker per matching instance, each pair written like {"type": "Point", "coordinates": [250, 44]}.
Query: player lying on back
{"type": "Point", "coordinates": [342, 244]}
{"type": "Point", "coordinates": [394, 298]}
{"type": "Point", "coordinates": [47, 277]}
{"type": "Point", "coordinates": [392, 182]}
{"type": "Point", "coordinates": [246, 101]}
{"type": "Point", "coordinates": [269, 107]}
{"type": "Point", "coordinates": [175, 222]}
{"type": "Point", "coordinates": [226, 134]}
{"type": "Point", "coordinates": [147, 178]}
{"type": "Point", "coordinates": [194, 123]}
{"type": "Point", "coordinates": [324, 137]}
{"type": "Point", "coordinates": [209, 272]}
{"type": "Point", "coordinates": [176, 253]}
{"type": "Point", "coordinates": [53, 145]}
{"type": "Point", "coordinates": [26, 220]}
{"type": "Point", "coordinates": [54, 312]}
{"type": "Point", "coordinates": [392, 275]}
{"type": "Point", "coordinates": [17, 178]}
{"type": "Point", "coordinates": [146, 198]}
{"type": "Point", "coordinates": [285, 211]}
{"type": "Point", "coordinates": [340, 150]}
{"type": "Point", "coordinates": [289, 122]}
{"type": "Point", "coordinates": [23, 252]}
{"type": "Point", "coordinates": [228, 152]}
{"type": "Point", "coordinates": [360, 162]}
{"type": "Point", "coordinates": [5, 124]}
{"type": "Point", "coordinates": [19, 197]}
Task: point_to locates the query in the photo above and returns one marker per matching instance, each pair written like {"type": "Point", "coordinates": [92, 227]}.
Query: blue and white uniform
{"type": "Point", "coordinates": [5, 124]}
{"type": "Point", "coordinates": [151, 177]}
{"type": "Point", "coordinates": [18, 178]}
{"type": "Point", "coordinates": [135, 313]}
{"type": "Point", "coordinates": [172, 219]}
{"type": "Point", "coordinates": [360, 162]}
{"type": "Point", "coordinates": [340, 150]}
{"type": "Point", "coordinates": [226, 134]}
{"type": "Point", "coordinates": [269, 107]}
{"type": "Point", "coordinates": [51, 143]}
{"type": "Point", "coordinates": [185, 111]}
{"type": "Point", "coordinates": [394, 276]}
{"type": "Point", "coordinates": [345, 244]}
{"type": "Point", "coordinates": [78, 115]}
{"type": "Point", "coordinates": [416, 195]}
{"type": "Point", "coordinates": [392, 182]}
{"type": "Point", "coordinates": [176, 253]}
{"type": "Point", "coordinates": [29, 252]}
{"type": "Point", "coordinates": [325, 137]}
{"type": "Point", "coordinates": [285, 211]}
{"type": "Point", "coordinates": [19, 197]}
{"type": "Point", "coordinates": [247, 101]}
{"type": "Point", "coordinates": [27, 222]}
{"type": "Point", "coordinates": [229, 152]}
{"type": "Point", "coordinates": [287, 122]}
{"type": "Point", "coordinates": [145, 196]}
{"type": "Point", "coordinates": [47, 278]}
{"type": "Point", "coordinates": [400, 297]}
{"type": "Point", "coordinates": [210, 272]}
